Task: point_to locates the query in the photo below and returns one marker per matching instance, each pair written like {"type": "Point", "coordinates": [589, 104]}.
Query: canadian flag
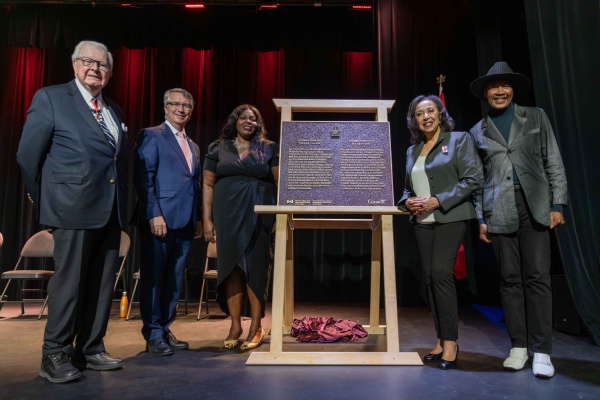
{"type": "Point", "coordinates": [460, 265]}
{"type": "Point", "coordinates": [441, 95]}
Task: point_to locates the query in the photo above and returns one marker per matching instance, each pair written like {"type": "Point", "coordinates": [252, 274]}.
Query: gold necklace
{"type": "Point", "coordinates": [241, 147]}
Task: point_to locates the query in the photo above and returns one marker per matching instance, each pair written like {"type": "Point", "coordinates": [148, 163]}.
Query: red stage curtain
{"type": "Point", "coordinates": [358, 73]}
{"type": "Point", "coordinates": [269, 84]}
{"type": "Point", "coordinates": [23, 71]}
{"type": "Point", "coordinates": [219, 79]}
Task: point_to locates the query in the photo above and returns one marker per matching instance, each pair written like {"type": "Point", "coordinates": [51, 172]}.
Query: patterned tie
{"type": "Point", "coordinates": [185, 148]}
{"type": "Point", "coordinates": [98, 115]}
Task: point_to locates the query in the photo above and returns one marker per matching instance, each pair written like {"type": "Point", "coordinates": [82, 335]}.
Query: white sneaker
{"type": "Point", "coordinates": [516, 359]}
{"type": "Point", "coordinates": [542, 366]}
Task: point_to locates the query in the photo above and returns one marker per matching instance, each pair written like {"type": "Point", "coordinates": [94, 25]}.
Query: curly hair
{"type": "Point", "coordinates": [229, 130]}
{"type": "Point", "coordinates": [446, 121]}
{"type": "Point", "coordinates": [259, 139]}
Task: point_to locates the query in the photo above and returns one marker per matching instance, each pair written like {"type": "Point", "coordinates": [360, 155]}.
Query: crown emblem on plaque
{"type": "Point", "coordinates": [335, 132]}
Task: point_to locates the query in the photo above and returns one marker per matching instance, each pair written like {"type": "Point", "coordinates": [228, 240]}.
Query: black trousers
{"type": "Point", "coordinates": [524, 260]}
{"type": "Point", "coordinates": [438, 246]}
{"type": "Point", "coordinates": [81, 290]}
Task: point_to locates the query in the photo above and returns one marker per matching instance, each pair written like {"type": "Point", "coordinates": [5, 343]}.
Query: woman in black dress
{"type": "Point", "coordinates": [240, 171]}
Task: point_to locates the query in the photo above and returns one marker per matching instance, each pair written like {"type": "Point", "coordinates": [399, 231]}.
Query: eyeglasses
{"type": "Point", "coordinates": [88, 62]}
{"type": "Point", "coordinates": [421, 113]}
{"type": "Point", "coordinates": [175, 104]}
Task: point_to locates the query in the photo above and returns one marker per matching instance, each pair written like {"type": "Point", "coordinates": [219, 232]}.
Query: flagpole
{"type": "Point", "coordinates": [460, 264]}
{"type": "Point", "coordinates": [440, 80]}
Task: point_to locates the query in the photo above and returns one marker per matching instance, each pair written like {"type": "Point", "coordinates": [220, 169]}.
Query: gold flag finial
{"type": "Point", "coordinates": [440, 79]}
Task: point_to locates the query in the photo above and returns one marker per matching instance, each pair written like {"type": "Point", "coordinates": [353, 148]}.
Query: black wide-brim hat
{"type": "Point", "coordinates": [500, 72]}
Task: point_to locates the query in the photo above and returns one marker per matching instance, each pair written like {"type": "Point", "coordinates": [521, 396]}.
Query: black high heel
{"type": "Point", "coordinates": [433, 357]}
{"type": "Point", "coordinates": [450, 364]}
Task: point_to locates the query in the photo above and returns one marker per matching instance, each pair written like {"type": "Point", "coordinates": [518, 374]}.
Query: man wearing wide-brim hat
{"type": "Point", "coordinates": [524, 192]}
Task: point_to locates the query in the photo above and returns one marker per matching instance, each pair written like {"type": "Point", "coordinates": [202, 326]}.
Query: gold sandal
{"type": "Point", "coordinates": [252, 345]}
{"type": "Point", "coordinates": [230, 344]}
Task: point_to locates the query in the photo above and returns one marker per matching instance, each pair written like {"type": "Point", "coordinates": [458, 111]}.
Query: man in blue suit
{"type": "Point", "coordinates": [73, 157]}
{"type": "Point", "coordinates": [167, 178]}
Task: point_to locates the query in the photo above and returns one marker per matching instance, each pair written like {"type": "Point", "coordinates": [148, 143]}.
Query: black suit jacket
{"type": "Point", "coordinates": [73, 176]}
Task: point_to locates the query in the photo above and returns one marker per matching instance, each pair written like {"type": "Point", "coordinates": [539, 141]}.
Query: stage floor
{"type": "Point", "coordinates": [206, 371]}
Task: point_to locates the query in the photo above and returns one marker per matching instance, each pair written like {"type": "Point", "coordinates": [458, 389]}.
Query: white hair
{"type": "Point", "coordinates": [97, 45]}
{"type": "Point", "coordinates": [183, 92]}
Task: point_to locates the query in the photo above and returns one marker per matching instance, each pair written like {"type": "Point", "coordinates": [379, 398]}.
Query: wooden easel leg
{"type": "Point", "coordinates": [374, 327]}
{"type": "Point", "coordinates": [288, 304]}
{"type": "Point", "coordinates": [389, 282]}
{"type": "Point", "coordinates": [279, 264]}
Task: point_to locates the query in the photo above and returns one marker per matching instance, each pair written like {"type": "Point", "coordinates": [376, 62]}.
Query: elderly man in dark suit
{"type": "Point", "coordinates": [167, 179]}
{"type": "Point", "coordinates": [73, 157]}
{"type": "Point", "coordinates": [524, 192]}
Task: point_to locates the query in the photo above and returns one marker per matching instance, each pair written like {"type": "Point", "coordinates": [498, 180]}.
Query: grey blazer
{"type": "Point", "coordinates": [534, 154]}
{"type": "Point", "coordinates": [454, 172]}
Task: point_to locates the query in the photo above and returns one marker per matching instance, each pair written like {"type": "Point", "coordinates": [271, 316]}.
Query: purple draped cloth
{"type": "Point", "coordinates": [322, 329]}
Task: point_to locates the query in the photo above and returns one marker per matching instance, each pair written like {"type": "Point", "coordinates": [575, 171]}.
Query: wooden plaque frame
{"type": "Point", "coordinates": [382, 248]}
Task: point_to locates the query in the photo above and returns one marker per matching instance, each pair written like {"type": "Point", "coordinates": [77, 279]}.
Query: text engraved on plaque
{"type": "Point", "coordinates": [335, 163]}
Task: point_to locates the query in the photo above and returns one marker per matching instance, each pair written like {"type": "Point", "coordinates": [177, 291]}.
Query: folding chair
{"type": "Point", "coordinates": [136, 278]}
{"type": "Point", "coordinates": [123, 251]}
{"type": "Point", "coordinates": [39, 245]}
{"type": "Point", "coordinates": [209, 274]}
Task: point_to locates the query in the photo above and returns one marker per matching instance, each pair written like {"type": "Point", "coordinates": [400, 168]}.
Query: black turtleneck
{"type": "Point", "coordinates": [502, 119]}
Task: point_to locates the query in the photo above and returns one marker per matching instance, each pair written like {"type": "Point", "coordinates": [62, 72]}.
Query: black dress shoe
{"type": "Point", "coordinates": [57, 368]}
{"type": "Point", "coordinates": [159, 347]}
{"type": "Point", "coordinates": [450, 364]}
{"type": "Point", "coordinates": [433, 357]}
{"type": "Point", "coordinates": [176, 344]}
{"type": "Point", "coordinates": [103, 362]}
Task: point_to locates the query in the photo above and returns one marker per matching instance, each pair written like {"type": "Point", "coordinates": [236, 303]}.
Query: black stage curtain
{"type": "Point", "coordinates": [417, 41]}
{"type": "Point", "coordinates": [173, 26]}
{"type": "Point", "coordinates": [564, 38]}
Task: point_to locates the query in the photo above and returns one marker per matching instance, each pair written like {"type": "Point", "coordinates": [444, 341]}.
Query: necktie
{"type": "Point", "coordinates": [98, 115]}
{"type": "Point", "coordinates": [185, 148]}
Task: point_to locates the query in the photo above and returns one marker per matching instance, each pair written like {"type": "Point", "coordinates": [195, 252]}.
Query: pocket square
{"type": "Point", "coordinates": [124, 127]}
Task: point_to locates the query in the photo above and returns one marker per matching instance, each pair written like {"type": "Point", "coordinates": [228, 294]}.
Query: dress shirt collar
{"type": "Point", "coordinates": [87, 95]}
{"type": "Point", "coordinates": [175, 130]}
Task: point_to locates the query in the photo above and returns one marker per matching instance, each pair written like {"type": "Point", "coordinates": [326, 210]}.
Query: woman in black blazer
{"type": "Point", "coordinates": [442, 172]}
